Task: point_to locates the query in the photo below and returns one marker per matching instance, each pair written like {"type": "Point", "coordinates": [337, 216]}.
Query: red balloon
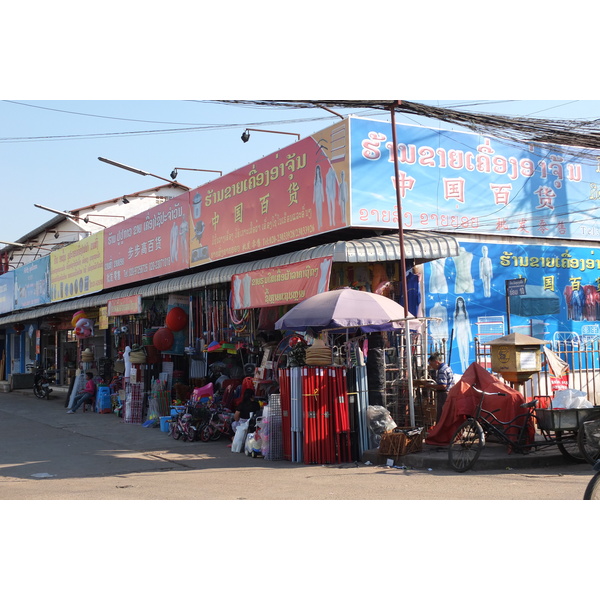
{"type": "Point", "coordinates": [176, 319]}
{"type": "Point", "coordinates": [163, 339]}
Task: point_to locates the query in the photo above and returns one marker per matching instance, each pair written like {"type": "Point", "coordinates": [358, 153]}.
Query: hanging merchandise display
{"type": "Point", "coordinates": [87, 356]}
{"type": "Point", "coordinates": [137, 356]}
{"type": "Point", "coordinates": [80, 314]}
{"type": "Point", "coordinates": [163, 339]}
{"type": "Point", "coordinates": [82, 325]}
{"type": "Point", "coordinates": [176, 319]}
{"type": "Point", "coordinates": [238, 318]}
{"type": "Point", "coordinates": [84, 328]}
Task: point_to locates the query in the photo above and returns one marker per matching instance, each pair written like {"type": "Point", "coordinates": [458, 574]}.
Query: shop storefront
{"type": "Point", "coordinates": [223, 337]}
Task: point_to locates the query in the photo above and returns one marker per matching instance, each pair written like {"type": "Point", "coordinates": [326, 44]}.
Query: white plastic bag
{"type": "Point", "coordinates": [239, 438]}
{"type": "Point", "coordinates": [379, 420]}
{"type": "Point", "coordinates": [570, 398]}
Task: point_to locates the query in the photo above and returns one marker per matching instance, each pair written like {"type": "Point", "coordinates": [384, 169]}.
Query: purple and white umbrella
{"type": "Point", "coordinates": [347, 309]}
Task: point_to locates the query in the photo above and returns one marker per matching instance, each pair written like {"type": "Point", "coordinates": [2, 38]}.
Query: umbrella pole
{"type": "Point", "coordinates": [409, 375]}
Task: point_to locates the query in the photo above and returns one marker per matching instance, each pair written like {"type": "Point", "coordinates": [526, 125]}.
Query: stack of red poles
{"type": "Point", "coordinates": [325, 415]}
{"type": "Point", "coordinates": [286, 412]}
{"type": "Point", "coordinates": [341, 414]}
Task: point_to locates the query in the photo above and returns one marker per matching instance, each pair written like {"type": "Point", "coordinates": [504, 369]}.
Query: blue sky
{"type": "Point", "coordinates": [49, 149]}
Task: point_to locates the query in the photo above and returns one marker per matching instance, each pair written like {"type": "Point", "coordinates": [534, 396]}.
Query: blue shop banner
{"type": "Point", "coordinates": [7, 292]}
{"type": "Point", "coordinates": [32, 283]}
{"type": "Point", "coordinates": [462, 182]}
{"type": "Point", "coordinates": [466, 294]}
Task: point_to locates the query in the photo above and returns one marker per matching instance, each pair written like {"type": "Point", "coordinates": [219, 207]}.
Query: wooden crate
{"type": "Point", "coordinates": [400, 442]}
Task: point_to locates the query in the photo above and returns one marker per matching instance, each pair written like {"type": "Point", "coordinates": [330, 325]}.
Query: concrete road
{"type": "Point", "coordinates": [47, 454]}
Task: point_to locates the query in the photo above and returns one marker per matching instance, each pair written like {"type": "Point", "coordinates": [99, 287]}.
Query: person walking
{"type": "Point", "coordinates": [444, 380]}
{"type": "Point", "coordinates": [87, 395]}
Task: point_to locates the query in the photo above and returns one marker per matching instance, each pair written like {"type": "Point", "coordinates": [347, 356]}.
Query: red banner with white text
{"type": "Point", "coordinates": [281, 285]}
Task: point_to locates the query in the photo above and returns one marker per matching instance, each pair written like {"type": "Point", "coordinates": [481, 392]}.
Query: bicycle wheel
{"type": "Point", "coordinates": [568, 447]}
{"type": "Point", "coordinates": [589, 450]}
{"type": "Point", "coordinates": [592, 491]}
{"type": "Point", "coordinates": [466, 445]}
{"type": "Point", "coordinates": [175, 431]}
{"type": "Point", "coordinates": [190, 434]}
{"type": "Point", "coordinates": [205, 433]}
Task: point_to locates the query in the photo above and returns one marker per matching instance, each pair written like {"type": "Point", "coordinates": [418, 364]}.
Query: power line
{"type": "Point", "coordinates": [80, 136]}
{"type": "Point", "coordinates": [572, 132]}
{"type": "Point", "coordinates": [71, 112]}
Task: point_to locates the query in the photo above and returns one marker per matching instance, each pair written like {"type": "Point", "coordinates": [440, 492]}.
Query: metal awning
{"type": "Point", "coordinates": [418, 245]}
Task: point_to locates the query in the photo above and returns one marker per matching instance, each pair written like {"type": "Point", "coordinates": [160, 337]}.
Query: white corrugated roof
{"type": "Point", "coordinates": [418, 245]}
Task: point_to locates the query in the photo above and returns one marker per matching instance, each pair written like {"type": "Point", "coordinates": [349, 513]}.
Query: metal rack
{"type": "Point", "coordinates": [395, 390]}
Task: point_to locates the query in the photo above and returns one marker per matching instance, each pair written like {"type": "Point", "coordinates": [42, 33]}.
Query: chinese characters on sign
{"type": "Point", "coordinates": [470, 183]}
{"type": "Point", "coordinates": [148, 245]}
{"type": "Point", "coordinates": [295, 193]}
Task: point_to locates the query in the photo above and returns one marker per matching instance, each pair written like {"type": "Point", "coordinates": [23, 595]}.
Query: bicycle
{"type": "Point", "coordinates": [518, 434]}
{"type": "Point", "coordinates": [219, 424]}
{"type": "Point", "coordinates": [182, 426]}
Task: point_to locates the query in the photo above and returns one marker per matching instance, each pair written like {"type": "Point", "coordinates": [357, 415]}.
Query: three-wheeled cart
{"type": "Point", "coordinates": [565, 426]}
{"type": "Point", "coordinates": [554, 427]}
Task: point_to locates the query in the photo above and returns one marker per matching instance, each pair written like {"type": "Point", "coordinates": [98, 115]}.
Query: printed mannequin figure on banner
{"type": "Point", "coordinates": [438, 327]}
{"type": "Point", "coordinates": [437, 279]}
{"type": "Point", "coordinates": [319, 196]}
{"type": "Point", "coordinates": [462, 332]}
{"type": "Point", "coordinates": [463, 283]}
{"type": "Point", "coordinates": [485, 272]}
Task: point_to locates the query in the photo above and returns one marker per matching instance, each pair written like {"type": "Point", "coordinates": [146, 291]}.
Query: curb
{"type": "Point", "coordinates": [492, 458]}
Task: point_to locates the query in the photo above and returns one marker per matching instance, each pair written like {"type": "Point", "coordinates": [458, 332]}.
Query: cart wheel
{"type": "Point", "coordinates": [589, 450]}
{"type": "Point", "coordinates": [466, 446]}
{"type": "Point", "coordinates": [592, 491]}
{"type": "Point", "coordinates": [568, 448]}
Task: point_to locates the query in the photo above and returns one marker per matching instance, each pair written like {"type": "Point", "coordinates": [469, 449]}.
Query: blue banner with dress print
{"type": "Point", "coordinates": [7, 292]}
{"type": "Point", "coordinates": [466, 295]}
{"type": "Point", "coordinates": [462, 182]}
{"type": "Point", "coordinates": [32, 283]}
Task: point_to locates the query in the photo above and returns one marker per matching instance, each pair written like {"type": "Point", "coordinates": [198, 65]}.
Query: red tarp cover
{"type": "Point", "coordinates": [463, 399]}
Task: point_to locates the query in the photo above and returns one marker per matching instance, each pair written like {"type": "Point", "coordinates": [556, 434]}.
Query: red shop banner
{"type": "Point", "coordinates": [281, 285]}
{"type": "Point", "coordinates": [129, 305]}
{"type": "Point", "coordinates": [293, 194]}
{"type": "Point", "coordinates": [153, 243]}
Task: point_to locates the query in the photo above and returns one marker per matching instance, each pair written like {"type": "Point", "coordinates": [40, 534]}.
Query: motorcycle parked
{"type": "Point", "coordinates": [41, 382]}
